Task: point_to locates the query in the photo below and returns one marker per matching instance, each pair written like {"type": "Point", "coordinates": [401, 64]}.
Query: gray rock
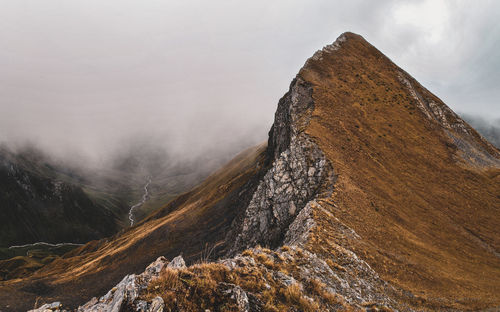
{"type": "Point", "coordinates": [177, 263]}
{"type": "Point", "coordinates": [54, 305]}
{"type": "Point", "coordinates": [114, 300]}
{"type": "Point", "coordinates": [154, 269]}
{"type": "Point", "coordinates": [284, 279]}
{"type": "Point", "coordinates": [141, 306]}
{"type": "Point", "coordinates": [237, 294]}
{"type": "Point", "coordinates": [48, 307]}
{"type": "Point", "coordinates": [156, 305]}
{"type": "Point", "coordinates": [298, 231]}
{"type": "Point", "coordinates": [129, 288]}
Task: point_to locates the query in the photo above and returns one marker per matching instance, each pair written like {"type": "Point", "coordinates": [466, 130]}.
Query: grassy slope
{"type": "Point", "coordinates": [429, 223]}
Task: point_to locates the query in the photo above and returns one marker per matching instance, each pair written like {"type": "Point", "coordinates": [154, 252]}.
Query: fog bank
{"type": "Point", "coordinates": [84, 80]}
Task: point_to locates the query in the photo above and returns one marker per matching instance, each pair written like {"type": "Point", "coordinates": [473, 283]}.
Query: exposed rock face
{"type": "Point", "coordinates": [299, 173]}
{"type": "Point", "coordinates": [298, 231]}
{"type": "Point", "coordinates": [293, 114]}
{"type": "Point", "coordinates": [296, 177]}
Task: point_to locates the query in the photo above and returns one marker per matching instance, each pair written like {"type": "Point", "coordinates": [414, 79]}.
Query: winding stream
{"type": "Point", "coordinates": [139, 204]}
{"type": "Point", "coordinates": [44, 244]}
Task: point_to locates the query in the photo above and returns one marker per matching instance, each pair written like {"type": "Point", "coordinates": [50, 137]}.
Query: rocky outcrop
{"type": "Point", "coordinates": [125, 296]}
{"type": "Point", "coordinates": [298, 174]}
{"type": "Point", "coordinates": [291, 117]}
{"type": "Point", "coordinates": [433, 110]}
{"type": "Point", "coordinates": [355, 282]}
{"type": "Point", "coordinates": [127, 291]}
{"type": "Point", "coordinates": [319, 55]}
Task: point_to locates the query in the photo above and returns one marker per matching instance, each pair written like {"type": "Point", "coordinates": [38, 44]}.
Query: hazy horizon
{"type": "Point", "coordinates": [84, 80]}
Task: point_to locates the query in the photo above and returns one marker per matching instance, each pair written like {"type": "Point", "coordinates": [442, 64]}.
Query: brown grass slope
{"type": "Point", "coordinates": [422, 192]}
{"type": "Point", "coordinates": [194, 224]}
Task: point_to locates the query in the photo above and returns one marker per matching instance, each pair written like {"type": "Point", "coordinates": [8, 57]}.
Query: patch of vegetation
{"type": "Point", "coordinates": [204, 286]}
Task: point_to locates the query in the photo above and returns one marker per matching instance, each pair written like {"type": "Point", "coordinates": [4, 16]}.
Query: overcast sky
{"type": "Point", "coordinates": [84, 76]}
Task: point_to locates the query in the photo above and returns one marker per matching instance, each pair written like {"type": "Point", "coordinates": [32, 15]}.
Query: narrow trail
{"type": "Point", "coordinates": [44, 244]}
{"type": "Point", "coordinates": [139, 204]}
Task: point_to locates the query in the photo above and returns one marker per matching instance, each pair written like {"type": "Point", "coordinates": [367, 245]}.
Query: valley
{"type": "Point", "coordinates": [50, 208]}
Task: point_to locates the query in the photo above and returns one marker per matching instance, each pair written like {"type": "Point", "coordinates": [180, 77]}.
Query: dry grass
{"type": "Point", "coordinates": [267, 261]}
{"type": "Point", "coordinates": [335, 266]}
{"type": "Point", "coordinates": [199, 286]}
{"type": "Point", "coordinates": [193, 289]}
{"type": "Point", "coordinates": [294, 296]}
{"type": "Point", "coordinates": [423, 217]}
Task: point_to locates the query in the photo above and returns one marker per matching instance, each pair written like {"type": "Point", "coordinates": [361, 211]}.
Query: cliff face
{"type": "Point", "coordinates": [371, 194]}
{"type": "Point", "coordinates": [298, 174]}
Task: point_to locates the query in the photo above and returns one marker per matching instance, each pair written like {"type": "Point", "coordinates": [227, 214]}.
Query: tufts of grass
{"type": "Point", "coordinates": [201, 286]}
{"type": "Point", "coordinates": [334, 265]}
{"type": "Point", "coordinates": [293, 295]}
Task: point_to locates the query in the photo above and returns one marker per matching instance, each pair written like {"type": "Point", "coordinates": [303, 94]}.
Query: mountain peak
{"type": "Point", "coordinates": [327, 50]}
{"type": "Point", "coordinates": [358, 73]}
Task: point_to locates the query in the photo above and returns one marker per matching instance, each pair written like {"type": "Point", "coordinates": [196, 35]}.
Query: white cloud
{"type": "Point", "coordinates": [430, 18]}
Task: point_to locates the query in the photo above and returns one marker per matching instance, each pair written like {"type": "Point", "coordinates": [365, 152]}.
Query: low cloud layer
{"type": "Point", "coordinates": [84, 78]}
{"type": "Point", "coordinates": [489, 129]}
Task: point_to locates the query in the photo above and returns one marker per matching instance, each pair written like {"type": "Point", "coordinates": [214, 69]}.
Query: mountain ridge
{"type": "Point", "coordinates": [364, 195]}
